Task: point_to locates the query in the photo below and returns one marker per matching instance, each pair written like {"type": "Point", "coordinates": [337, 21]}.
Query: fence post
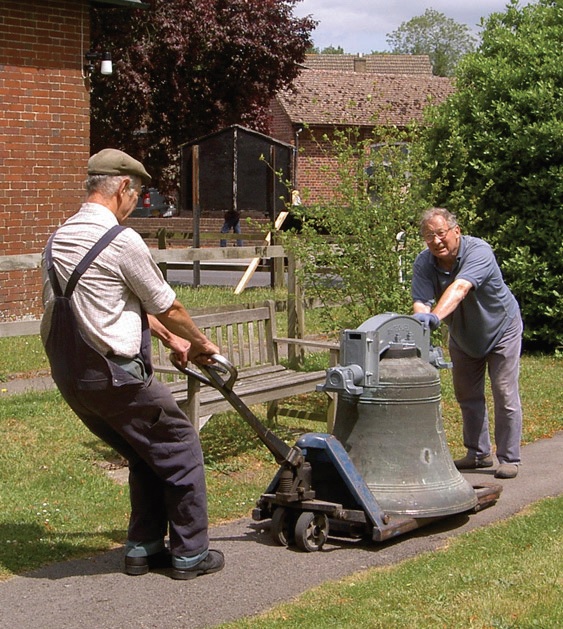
{"type": "Point", "coordinates": [161, 235]}
{"type": "Point", "coordinates": [196, 209]}
{"type": "Point", "coordinates": [295, 313]}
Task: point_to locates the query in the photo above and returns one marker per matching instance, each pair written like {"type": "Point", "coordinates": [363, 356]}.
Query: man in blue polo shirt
{"type": "Point", "coordinates": [457, 280]}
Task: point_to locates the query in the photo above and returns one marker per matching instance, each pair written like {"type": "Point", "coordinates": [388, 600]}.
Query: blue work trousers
{"type": "Point", "coordinates": [166, 474]}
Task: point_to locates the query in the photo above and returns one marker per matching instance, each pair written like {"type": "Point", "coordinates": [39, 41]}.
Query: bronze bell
{"type": "Point", "coordinates": [389, 419]}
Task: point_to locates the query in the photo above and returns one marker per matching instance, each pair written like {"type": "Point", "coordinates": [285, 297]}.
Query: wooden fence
{"type": "Point", "coordinates": [188, 256]}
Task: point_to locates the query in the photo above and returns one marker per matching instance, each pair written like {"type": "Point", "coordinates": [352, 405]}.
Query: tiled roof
{"type": "Point", "coordinates": [321, 97]}
{"type": "Point", "coordinates": [379, 63]}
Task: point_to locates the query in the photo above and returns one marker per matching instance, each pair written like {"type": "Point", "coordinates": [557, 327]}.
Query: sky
{"type": "Point", "coordinates": [363, 25]}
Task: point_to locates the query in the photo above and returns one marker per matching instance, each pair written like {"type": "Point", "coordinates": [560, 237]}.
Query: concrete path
{"type": "Point", "coordinates": [95, 594]}
{"type": "Point", "coordinates": [16, 386]}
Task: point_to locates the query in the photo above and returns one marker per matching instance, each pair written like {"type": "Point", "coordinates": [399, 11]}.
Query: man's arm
{"type": "Point", "coordinates": [452, 297]}
{"type": "Point", "coordinates": [448, 302]}
{"type": "Point", "coordinates": [179, 346]}
{"type": "Point", "coordinates": [174, 327]}
{"type": "Point", "coordinates": [418, 306]}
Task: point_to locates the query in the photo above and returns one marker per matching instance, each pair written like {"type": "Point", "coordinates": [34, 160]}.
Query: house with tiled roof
{"type": "Point", "coordinates": [321, 101]}
{"type": "Point", "coordinates": [380, 63]}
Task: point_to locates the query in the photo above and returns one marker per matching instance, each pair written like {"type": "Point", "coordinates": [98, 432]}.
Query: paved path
{"type": "Point", "coordinates": [94, 594]}
{"type": "Point", "coordinates": [15, 386]}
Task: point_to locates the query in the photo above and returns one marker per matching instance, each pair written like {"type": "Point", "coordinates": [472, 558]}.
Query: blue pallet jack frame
{"type": "Point", "coordinates": [317, 488]}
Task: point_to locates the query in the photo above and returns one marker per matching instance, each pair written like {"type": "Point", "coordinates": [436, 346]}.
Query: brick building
{"type": "Point", "coordinates": [358, 93]}
{"type": "Point", "coordinates": [44, 132]}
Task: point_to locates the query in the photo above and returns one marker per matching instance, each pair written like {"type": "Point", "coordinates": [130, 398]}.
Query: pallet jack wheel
{"type": "Point", "coordinates": [311, 531]}
{"type": "Point", "coordinates": [282, 526]}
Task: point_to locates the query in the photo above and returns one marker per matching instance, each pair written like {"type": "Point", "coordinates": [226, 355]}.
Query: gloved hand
{"type": "Point", "coordinates": [429, 319]}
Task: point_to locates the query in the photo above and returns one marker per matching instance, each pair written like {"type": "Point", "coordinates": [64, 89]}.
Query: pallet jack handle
{"type": "Point", "coordinates": [213, 376]}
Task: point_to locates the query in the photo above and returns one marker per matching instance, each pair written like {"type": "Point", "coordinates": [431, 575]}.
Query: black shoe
{"type": "Point", "coordinates": [474, 463]}
{"type": "Point", "coordinates": [136, 566]}
{"type": "Point", "coordinates": [214, 562]}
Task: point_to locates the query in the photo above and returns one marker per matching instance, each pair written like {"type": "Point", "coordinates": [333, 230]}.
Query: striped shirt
{"type": "Point", "coordinates": [121, 282]}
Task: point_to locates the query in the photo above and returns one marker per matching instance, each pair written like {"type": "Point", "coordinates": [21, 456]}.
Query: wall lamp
{"type": "Point", "coordinates": [106, 65]}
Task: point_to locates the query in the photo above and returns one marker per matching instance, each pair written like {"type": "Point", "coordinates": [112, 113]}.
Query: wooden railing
{"type": "Point", "coordinates": [184, 256]}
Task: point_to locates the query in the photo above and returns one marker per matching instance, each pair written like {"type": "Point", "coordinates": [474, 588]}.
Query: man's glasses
{"type": "Point", "coordinates": [440, 234]}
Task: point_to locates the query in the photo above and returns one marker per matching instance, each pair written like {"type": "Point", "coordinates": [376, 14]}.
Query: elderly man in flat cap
{"type": "Point", "coordinates": [103, 297]}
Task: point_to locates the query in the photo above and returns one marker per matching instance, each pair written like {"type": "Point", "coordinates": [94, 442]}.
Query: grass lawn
{"type": "Point", "coordinates": [506, 576]}
{"type": "Point", "coordinates": [57, 502]}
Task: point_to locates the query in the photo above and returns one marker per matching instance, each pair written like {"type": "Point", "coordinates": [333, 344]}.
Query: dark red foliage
{"type": "Point", "coordinates": [185, 68]}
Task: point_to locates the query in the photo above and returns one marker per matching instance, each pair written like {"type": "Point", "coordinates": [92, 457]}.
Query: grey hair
{"type": "Point", "coordinates": [428, 215]}
{"type": "Point", "coordinates": [107, 185]}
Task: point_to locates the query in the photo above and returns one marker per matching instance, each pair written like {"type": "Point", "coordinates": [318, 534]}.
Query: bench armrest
{"type": "Point", "coordinates": [331, 346]}
{"type": "Point", "coordinates": [167, 369]}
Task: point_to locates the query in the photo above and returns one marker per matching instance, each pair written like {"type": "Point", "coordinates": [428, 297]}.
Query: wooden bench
{"type": "Point", "coordinates": [248, 339]}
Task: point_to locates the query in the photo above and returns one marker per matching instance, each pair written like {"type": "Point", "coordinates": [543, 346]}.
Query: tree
{"type": "Point", "coordinates": [356, 250]}
{"type": "Point", "coordinates": [444, 40]}
{"type": "Point", "coordinates": [333, 50]}
{"type": "Point", "coordinates": [185, 68]}
{"type": "Point", "coordinates": [496, 157]}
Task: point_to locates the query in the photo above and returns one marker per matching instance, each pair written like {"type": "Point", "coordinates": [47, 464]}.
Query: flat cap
{"type": "Point", "coordinates": [115, 162]}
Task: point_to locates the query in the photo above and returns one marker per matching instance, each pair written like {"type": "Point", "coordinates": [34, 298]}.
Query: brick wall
{"type": "Point", "coordinates": [280, 126]}
{"type": "Point", "coordinates": [311, 161]}
{"type": "Point", "coordinates": [316, 165]}
{"type": "Point", "coordinates": [44, 133]}
{"type": "Point", "coordinates": [314, 168]}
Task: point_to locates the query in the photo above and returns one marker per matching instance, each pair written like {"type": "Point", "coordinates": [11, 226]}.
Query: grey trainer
{"type": "Point", "coordinates": [506, 470]}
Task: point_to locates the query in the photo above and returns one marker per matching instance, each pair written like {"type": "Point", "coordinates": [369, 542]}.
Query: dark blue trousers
{"type": "Point", "coordinates": [140, 420]}
{"type": "Point", "coordinates": [166, 474]}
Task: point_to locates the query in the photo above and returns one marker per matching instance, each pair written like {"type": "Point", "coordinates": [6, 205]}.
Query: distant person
{"type": "Point", "coordinates": [232, 222]}
{"type": "Point", "coordinates": [103, 296]}
{"type": "Point", "coordinates": [457, 280]}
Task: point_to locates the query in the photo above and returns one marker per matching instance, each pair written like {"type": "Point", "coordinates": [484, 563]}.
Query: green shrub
{"type": "Point", "coordinates": [356, 250]}
{"type": "Point", "coordinates": [495, 158]}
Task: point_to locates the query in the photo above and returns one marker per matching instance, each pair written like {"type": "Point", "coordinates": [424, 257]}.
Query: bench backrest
{"type": "Point", "coordinates": [244, 336]}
